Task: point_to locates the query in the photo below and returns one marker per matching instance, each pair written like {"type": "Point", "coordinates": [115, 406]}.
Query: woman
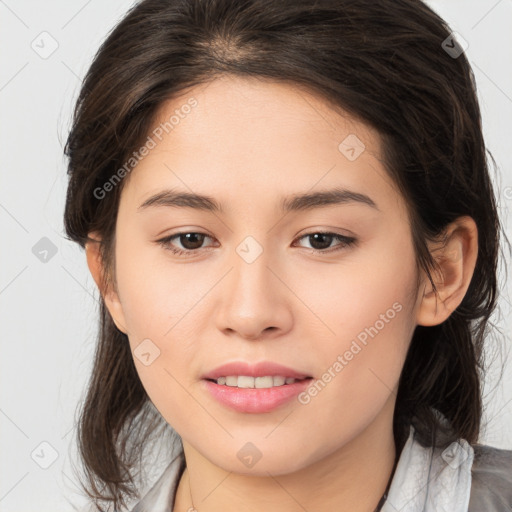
{"type": "Point", "coordinates": [288, 212]}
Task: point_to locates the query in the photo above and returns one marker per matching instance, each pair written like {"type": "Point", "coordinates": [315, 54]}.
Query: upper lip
{"type": "Point", "coordinates": [261, 369]}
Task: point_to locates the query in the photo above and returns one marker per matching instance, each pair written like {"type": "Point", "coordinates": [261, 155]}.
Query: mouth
{"type": "Point", "coordinates": [249, 382]}
{"type": "Point", "coordinates": [255, 388]}
{"type": "Point", "coordinates": [244, 374]}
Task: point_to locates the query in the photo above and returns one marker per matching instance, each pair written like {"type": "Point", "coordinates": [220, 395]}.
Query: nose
{"type": "Point", "coordinates": [255, 303]}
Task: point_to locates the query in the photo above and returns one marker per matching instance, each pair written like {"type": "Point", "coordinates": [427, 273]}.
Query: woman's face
{"type": "Point", "coordinates": [251, 288]}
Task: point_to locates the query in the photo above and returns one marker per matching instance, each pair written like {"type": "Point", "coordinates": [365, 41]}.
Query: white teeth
{"type": "Point", "coordinates": [244, 381]}
{"type": "Point", "coordinates": [278, 380]}
{"type": "Point", "coordinates": [231, 381]}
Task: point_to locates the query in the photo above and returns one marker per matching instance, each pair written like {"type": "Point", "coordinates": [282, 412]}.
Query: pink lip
{"type": "Point", "coordinates": [252, 400]}
{"type": "Point", "coordinates": [261, 369]}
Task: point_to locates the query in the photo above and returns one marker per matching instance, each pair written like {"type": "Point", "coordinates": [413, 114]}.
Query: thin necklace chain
{"type": "Point", "coordinates": [381, 502]}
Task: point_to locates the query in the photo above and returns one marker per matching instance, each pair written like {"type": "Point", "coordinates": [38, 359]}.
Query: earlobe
{"type": "Point", "coordinates": [456, 261]}
{"type": "Point", "coordinates": [110, 297]}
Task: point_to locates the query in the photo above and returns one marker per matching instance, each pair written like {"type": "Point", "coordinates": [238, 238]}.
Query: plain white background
{"type": "Point", "coordinates": [49, 309]}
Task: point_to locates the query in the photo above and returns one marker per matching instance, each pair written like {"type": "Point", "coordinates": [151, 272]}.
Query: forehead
{"type": "Point", "coordinates": [256, 136]}
{"type": "Point", "coordinates": [237, 107]}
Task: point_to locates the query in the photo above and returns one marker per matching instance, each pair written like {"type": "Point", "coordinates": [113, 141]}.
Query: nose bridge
{"type": "Point", "coordinates": [254, 299]}
{"type": "Point", "coordinates": [251, 277]}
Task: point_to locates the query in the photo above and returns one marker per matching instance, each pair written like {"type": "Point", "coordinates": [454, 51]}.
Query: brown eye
{"type": "Point", "coordinates": [190, 242]}
{"type": "Point", "coordinates": [321, 241]}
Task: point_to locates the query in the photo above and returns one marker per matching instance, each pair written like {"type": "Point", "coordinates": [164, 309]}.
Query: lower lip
{"type": "Point", "coordinates": [254, 400]}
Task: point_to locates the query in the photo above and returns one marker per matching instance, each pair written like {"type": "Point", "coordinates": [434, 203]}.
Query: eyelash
{"type": "Point", "coordinates": [346, 241]}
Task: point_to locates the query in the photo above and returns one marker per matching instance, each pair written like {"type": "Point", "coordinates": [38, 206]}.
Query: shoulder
{"type": "Point", "coordinates": [491, 479]}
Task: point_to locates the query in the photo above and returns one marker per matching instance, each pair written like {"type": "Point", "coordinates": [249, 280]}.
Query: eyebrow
{"type": "Point", "coordinates": [295, 202]}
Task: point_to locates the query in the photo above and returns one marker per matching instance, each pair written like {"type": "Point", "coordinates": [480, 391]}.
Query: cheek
{"type": "Point", "coordinates": [158, 305]}
{"type": "Point", "coordinates": [369, 294]}
{"type": "Point", "coordinates": [156, 294]}
{"type": "Point", "coordinates": [366, 308]}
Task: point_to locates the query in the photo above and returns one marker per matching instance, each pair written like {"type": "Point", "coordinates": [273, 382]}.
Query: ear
{"type": "Point", "coordinates": [456, 260]}
{"type": "Point", "coordinates": [96, 267]}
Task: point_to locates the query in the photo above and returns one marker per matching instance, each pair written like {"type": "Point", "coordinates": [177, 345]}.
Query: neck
{"type": "Point", "coordinates": [352, 478]}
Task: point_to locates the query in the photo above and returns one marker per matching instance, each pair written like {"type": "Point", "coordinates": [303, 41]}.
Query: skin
{"type": "Point", "coordinates": [248, 143]}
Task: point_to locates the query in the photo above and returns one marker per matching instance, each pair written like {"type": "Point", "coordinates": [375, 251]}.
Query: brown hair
{"type": "Point", "coordinates": [384, 63]}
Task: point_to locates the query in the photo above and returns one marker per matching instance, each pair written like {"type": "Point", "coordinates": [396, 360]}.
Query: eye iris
{"type": "Point", "coordinates": [192, 241]}
{"type": "Point", "coordinates": [327, 240]}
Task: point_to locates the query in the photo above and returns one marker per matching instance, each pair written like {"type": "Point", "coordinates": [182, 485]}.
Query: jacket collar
{"type": "Point", "coordinates": [431, 479]}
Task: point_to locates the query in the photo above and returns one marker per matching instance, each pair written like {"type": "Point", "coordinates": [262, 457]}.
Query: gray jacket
{"type": "Point", "coordinates": [460, 478]}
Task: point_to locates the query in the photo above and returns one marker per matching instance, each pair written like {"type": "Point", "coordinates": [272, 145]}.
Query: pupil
{"type": "Point", "coordinates": [192, 240]}
{"type": "Point", "coordinates": [319, 236]}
